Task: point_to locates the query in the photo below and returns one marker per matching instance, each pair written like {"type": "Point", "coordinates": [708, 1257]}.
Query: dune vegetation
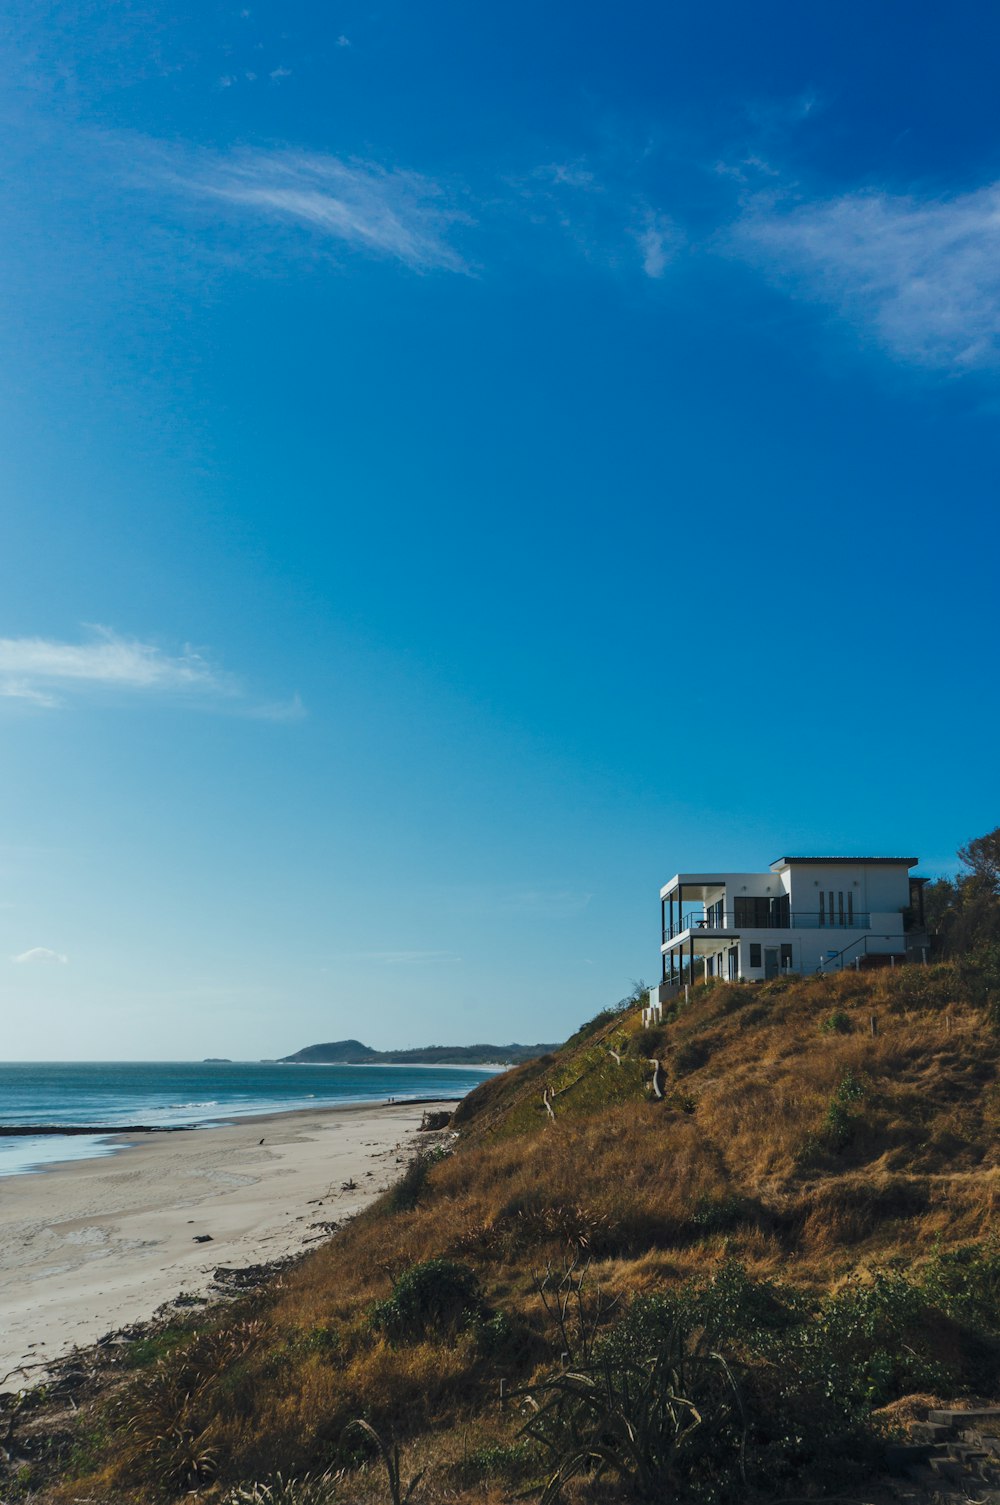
{"type": "Point", "coordinates": [725, 1291]}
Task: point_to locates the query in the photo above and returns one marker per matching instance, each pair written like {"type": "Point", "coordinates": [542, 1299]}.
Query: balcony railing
{"type": "Point", "coordinates": [799, 919]}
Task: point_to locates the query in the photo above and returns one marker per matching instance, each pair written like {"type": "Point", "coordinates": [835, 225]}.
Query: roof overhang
{"type": "Point", "coordinates": [906, 862]}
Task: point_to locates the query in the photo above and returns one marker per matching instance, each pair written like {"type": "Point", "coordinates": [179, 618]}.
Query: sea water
{"type": "Point", "coordinates": [170, 1094]}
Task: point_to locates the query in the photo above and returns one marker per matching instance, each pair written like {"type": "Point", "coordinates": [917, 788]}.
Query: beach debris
{"type": "Point", "coordinates": [202, 1238]}
{"type": "Point", "coordinates": [349, 1185]}
{"type": "Point", "coordinates": [432, 1121]}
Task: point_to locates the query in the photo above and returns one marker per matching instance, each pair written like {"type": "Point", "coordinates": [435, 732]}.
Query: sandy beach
{"type": "Point", "coordinates": [93, 1245]}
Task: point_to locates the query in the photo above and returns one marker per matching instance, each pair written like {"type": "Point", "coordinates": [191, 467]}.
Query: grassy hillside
{"type": "Point", "coordinates": [797, 1235]}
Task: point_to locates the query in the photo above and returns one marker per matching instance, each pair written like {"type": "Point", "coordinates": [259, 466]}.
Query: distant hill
{"type": "Point", "coordinates": [354, 1053]}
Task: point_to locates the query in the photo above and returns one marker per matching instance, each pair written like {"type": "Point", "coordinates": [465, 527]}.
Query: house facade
{"type": "Point", "coordinates": [804, 914]}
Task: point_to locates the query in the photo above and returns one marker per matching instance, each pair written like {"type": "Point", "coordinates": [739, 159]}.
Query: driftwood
{"type": "Point", "coordinates": [657, 1075]}
{"type": "Point", "coordinates": [615, 1054]}
{"type": "Point", "coordinates": [547, 1096]}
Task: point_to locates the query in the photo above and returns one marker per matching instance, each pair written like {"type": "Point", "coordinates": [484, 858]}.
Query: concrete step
{"type": "Point", "coordinates": [948, 1469]}
{"type": "Point", "coordinates": [899, 1456]}
{"type": "Point", "coordinates": [932, 1431]}
{"type": "Point", "coordinates": [949, 1416]}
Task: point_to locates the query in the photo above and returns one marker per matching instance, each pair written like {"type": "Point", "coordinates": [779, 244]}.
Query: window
{"type": "Point", "coordinates": [755, 953]}
{"type": "Point", "coordinates": [840, 907]}
{"type": "Point", "coordinates": [822, 909]}
{"type": "Point", "coordinates": [850, 906]}
{"type": "Point", "coordinates": [734, 963]}
{"type": "Point", "coordinates": [752, 913]}
{"type": "Point", "coordinates": [786, 956]}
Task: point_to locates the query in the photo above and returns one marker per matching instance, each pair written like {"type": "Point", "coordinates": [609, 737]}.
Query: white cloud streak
{"type": "Point", "coordinates": [386, 212]}
{"type": "Point", "coordinates": [923, 274]}
{"type": "Point", "coordinates": [33, 668]}
{"type": "Point", "coordinates": [42, 671]}
{"type": "Point", "coordinates": [40, 954]}
{"type": "Point", "coordinates": [404, 958]}
{"type": "Point", "coordinates": [659, 240]}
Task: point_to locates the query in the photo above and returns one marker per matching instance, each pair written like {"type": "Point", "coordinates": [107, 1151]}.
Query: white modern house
{"type": "Point", "coordinates": [805, 914]}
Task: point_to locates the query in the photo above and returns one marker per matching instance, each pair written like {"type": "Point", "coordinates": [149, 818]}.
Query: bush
{"type": "Point", "coordinates": [511, 1462]}
{"type": "Point", "coordinates": [665, 1420]}
{"type": "Point", "coordinates": [648, 1042]}
{"type": "Point", "coordinates": [837, 1023]}
{"type": "Point", "coordinates": [405, 1195]}
{"type": "Point", "coordinates": [439, 1296]}
{"type": "Point", "coordinates": [306, 1490]}
{"type": "Point", "coordinates": [690, 1056]}
{"type": "Point", "coordinates": [723, 1214]}
{"type": "Point", "coordinates": [965, 1284]}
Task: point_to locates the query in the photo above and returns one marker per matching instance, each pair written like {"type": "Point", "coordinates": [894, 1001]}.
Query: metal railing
{"type": "Point", "coordinates": [856, 951]}
{"type": "Point", "coordinates": [798, 919]}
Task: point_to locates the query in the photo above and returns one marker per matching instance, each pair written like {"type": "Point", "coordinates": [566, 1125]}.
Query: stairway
{"type": "Point", "coordinates": [952, 1458]}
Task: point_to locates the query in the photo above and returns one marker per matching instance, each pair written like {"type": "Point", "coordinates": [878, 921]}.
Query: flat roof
{"type": "Point", "coordinates": [897, 861]}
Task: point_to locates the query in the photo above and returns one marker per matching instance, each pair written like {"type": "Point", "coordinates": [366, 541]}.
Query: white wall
{"type": "Point", "coordinates": [884, 887]}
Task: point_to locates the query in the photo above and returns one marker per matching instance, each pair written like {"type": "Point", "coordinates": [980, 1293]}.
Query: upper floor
{"type": "Point", "coordinates": [795, 893]}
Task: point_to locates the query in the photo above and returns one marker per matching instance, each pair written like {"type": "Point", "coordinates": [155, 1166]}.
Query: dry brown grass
{"type": "Point", "coordinates": [651, 1192]}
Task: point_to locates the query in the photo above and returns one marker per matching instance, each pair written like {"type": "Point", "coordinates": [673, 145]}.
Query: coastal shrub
{"type": "Point", "coordinates": [648, 1042]}
{"type": "Point", "coordinates": [723, 1213]}
{"type": "Point", "coordinates": [965, 1283]}
{"type": "Point", "coordinates": [309, 1489]}
{"type": "Point", "coordinates": [404, 1196]}
{"type": "Point", "coordinates": [665, 1421]}
{"type": "Point", "coordinates": [837, 1023]}
{"type": "Point", "coordinates": [438, 1296]}
{"type": "Point", "coordinates": [511, 1462]}
{"type": "Point", "coordinates": [690, 1056]}
{"type": "Point", "coordinates": [840, 1121]}
{"type": "Point", "coordinates": [608, 1015]}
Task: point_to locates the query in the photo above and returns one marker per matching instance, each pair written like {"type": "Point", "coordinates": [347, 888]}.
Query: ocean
{"type": "Point", "coordinates": [169, 1093]}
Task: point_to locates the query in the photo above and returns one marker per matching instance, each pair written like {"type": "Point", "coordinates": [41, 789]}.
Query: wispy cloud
{"type": "Point", "coordinates": [659, 241]}
{"type": "Point", "coordinates": [291, 709]}
{"type": "Point", "coordinates": [923, 274]}
{"type": "Point", "coordinates": [382, 211]}
{"type": "Point", "coordinates": [403, 958]}
{"type": "Point", "coordinates": [42, 671]}
{"type": "Point", "coordinates": [33, 668]}
{"type": "Point", "coordinates": [550, 903]}
{"type": "Point", "coordinates": [40, 954]}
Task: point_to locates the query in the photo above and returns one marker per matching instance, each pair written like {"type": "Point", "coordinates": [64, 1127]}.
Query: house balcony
{"type": "Point", "coordinates": [721, 924]}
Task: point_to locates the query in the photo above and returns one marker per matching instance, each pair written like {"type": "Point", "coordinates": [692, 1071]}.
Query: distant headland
{"type": "Point", "coordinates": [354, 1053]}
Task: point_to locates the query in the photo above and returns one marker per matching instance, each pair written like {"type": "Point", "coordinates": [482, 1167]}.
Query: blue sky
{"type": "Point", "coordinates": [461, 465]}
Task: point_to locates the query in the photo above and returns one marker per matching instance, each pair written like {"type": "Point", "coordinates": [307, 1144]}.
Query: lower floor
{"type": "Point", "coordinates": [756, 957]}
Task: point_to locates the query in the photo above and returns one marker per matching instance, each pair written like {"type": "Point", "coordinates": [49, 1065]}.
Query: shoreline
{"type": "Point", "coordinates": [109, 1137]}
{"type": "Point", "coordinates": [219, 1121]}
{"type": "Point", "coordinates": [96, 1244]}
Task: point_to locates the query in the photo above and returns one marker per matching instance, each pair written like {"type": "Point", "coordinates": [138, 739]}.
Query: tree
{"type": "Point", "coordinates": [982, 857]}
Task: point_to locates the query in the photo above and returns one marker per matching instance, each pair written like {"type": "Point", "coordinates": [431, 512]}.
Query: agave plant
{"type": "Point", "coordinates": [307, 1489]}
{"type": "Point", "coordinates": [390, 1457]}
{"type": "Point", "coordinates": [668, 1423]}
